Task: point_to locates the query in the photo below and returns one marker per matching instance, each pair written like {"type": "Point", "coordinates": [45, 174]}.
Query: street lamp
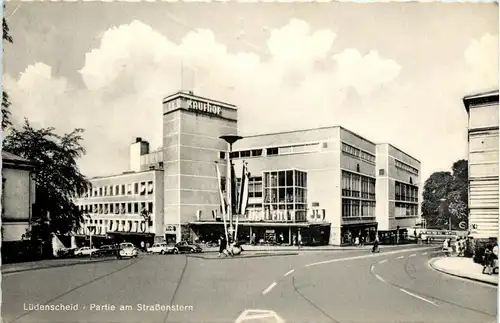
{"type": "Point", "coordinates": [230, 139]}
{"type": "Point", "coordinates": [442, 210]}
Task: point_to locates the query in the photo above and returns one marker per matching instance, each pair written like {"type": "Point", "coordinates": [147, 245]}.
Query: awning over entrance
{"type": "Point", "coordinates": [265, 224]}
{"type": "Point", "coordinates": [359, 224]}
{"type": "Point", "coordinates": [126, 233]}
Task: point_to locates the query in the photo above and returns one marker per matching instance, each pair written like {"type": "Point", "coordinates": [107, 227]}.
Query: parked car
{"type": "Point", "coordinates": [184, 246]}
{"type": "Point", "coordinates": [85, 251]}
{"type": "Point", "coordinates": [66, 253]}
{"type": "Point", "coordinates": [106, 250]}
{"type": "Point", "coordinates": [163, 248]}
{"type": "Point", "coordinates": [127, 250]}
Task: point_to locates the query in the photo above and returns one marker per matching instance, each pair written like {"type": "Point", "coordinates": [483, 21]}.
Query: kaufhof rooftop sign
{"type": "Point", "coordinates": [195, 105]}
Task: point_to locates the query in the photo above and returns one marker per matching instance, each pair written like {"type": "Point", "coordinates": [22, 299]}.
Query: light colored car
{"type": "Point", "coordinates": [127, 250]}
{"type": "Point", "coordinates": [163, 248]}
{"type": "Point", "coordinates": [85, 251]}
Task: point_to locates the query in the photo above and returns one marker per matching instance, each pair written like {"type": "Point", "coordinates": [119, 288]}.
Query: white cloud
{"type": "Point", "coordinates": [135, 66]}
{"type": "Point", "coordinates": [482, 57]}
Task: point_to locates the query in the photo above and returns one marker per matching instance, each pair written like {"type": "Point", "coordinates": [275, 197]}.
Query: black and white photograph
{"type": "Point", "coordinates": [250, 162]}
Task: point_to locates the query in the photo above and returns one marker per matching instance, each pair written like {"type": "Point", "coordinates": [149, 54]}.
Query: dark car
{"type": "Point", "coordinates": [106, 250]}
{"type": "Point", "coordinates": [184, 246]}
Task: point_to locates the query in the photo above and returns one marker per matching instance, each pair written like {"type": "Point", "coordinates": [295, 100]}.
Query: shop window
{"type": "Point", "coordinates": [245, 153]}
{"type": "Point", "coordinates": [222, 155]}
{"type": "Point", "coordinates": [234, 154]}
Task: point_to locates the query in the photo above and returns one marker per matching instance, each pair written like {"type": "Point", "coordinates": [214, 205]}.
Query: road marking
{"type": "Point", "coordinates": [249, 315]}
{"type": "Point", "coordinates": [400, 257]}
{"type": "Point", "coordinates": [424, 253]}
{"type": "Point", "coordinates": [382, 261]}
{"type": "Point", "coordinates": [268, 289]}
{"type": "Point", "coordinates": [419, 297]}
{"type": "Point", "coordinates": [362, 257]}
{"type": "Point", "coordinates": [372, 267]}
{"type": "Point", "coordinates": [380, 278]}
{"type": "Point", "coordinates": [288, 273]}
{"type": "Point", "coordinates": [413, 255]}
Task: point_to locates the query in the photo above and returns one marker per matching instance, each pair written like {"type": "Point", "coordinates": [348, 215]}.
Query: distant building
{"type": "Point", "coordinates": [18, 197]}
{"type": "Point", "coordinates": [483, 163]}
{"type": "Point", "coordinates": [326, 185]}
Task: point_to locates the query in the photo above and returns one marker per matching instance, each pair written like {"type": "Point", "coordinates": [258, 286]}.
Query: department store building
{"type": "Point", "coordinates": [324, 185]}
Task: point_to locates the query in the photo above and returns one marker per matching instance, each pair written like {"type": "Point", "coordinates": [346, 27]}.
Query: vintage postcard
{"type": "Point", "coordinates": [258, 162]}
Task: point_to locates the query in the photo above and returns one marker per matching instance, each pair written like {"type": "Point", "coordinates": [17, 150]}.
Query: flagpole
{"type": "Point", "coordinates": [243, 182]}
{"type": "Point", "coordinates": [222, 201]}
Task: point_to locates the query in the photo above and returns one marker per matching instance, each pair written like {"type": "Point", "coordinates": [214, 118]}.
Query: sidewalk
{"type": "Point", "coordinates": [464, 268]}
{"type": "Point", "coordinates": [50, 263]}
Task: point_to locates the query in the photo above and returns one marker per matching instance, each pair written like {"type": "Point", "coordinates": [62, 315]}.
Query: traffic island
{"type": "Point", "coordinates": [464, 268]}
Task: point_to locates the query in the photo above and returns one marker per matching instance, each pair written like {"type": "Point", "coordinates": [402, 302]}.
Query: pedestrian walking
{"type": "Point", "coordinates": [446, 247]}
{"type": "Point", "coordinates": [142, 245]}
{"type": "Point", "coordinates": [356, 241]}
{"type": "Point", "coordinates": [222, 246]}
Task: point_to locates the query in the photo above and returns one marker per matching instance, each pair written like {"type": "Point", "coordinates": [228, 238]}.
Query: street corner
{"type": "Point", "coordinates": [463, 268]}
{"type": "Point", "coordinates": [259, 316]}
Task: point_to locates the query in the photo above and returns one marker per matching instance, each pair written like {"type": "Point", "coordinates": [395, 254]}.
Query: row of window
{"type": "Point", "coordinates": [406, 192]}
{"type": "Point", "coordinates": [406, 167]}
{"type": "Point", "coordinates": [140, 188]}
{"type": "Point", "coordinates": [348, 149]}
{"type": "Point", "coordinates": [272, 151]}
{"type": "Point", "coordinates": [405, 209]}
{"type": "Point", "coordinates": [284, 195]}
{"type": "Point", "coordinates": [117, 208]}
{"type": "Point", "coordinates": [355, 185]}
{"type": "Point", "coordinates": [254, 186]}
{"type": "Point", "coordinates": [114, 225]}
{"type": "Point", "coordinates": [288, 178]}
{"type": "Point", "coordinates": [357, 208]}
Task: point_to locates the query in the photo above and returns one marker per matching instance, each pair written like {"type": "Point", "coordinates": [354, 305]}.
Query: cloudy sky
{"type": "Point", "coordinates": [391, 72]}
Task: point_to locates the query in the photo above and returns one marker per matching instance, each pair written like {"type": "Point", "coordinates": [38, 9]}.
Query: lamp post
{"type": "Point", "coordinates": [230, 140]}
{"type": "Point", "coordinates": [442, 210]}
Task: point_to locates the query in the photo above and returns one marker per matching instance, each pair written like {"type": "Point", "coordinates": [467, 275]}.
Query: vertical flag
{"type": "Point", "coordinates": [221, 195]}
{"type": "Point", "coordinates": [234, 191]}
{"type": "Point", "coordinates": [242, 186]}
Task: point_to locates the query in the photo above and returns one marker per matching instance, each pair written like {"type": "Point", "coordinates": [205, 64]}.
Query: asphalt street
{"type": "Point", "coordinates": [328, 286]}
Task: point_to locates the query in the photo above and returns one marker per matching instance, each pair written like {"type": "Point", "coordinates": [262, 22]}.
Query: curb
{"type": "Point", "coordinates": [431, 264]}
{"type": "Point", "coordinates": [306, 249]}
{"type": "Point", "coordinates": [245, 257]}
{"type": "Point", "coordinates": [7, 271]}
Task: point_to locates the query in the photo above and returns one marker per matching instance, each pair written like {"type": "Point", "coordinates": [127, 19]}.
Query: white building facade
{"type": "Point", "coordinates": [483, 145]}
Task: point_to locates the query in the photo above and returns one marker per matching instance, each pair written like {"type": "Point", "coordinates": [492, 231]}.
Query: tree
{"type": "Point", "coordinates": [453, 188]}
{"type": "Point", "coordinates": [436, 187]}
{"type": "Point", "coordinates": [6, 116]}
{"type": "Point", "coordinates": [58, 177]}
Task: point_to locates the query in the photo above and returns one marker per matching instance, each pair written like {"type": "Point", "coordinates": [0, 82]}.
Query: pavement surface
{"type": "Point", "coordinates": [395, 285]}
{"type": "Point", "coordinates": [50, 263]}
{"type": "Point", "coordinates": [464, 268]}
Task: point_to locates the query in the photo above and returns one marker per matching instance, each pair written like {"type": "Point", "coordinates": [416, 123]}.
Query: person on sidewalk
{"type": "Point", "coordinates": [375, 245]}
{"type": "Point", "coordinates": [356, 241]}
{"type": "Point", "coordinates": [488, 260]}
{"type": "Point", "coordinates": [446, 247]}
{"type": "Point", "coordinates": [222, 246]}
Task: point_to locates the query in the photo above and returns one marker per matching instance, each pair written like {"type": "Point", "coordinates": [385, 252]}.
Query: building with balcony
{"type": "Point", "coordinates": [483, 141]}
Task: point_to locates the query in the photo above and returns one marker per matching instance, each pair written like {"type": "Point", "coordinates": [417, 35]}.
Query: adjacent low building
{"type": "Point", "coordinates": [325, 185]}
{"type": "Point", "coordinates": [124, 207]}
{"type": "Point", "coordinates": [18, 198]}
{"type": "Point", "coordinates": [483, 134]}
